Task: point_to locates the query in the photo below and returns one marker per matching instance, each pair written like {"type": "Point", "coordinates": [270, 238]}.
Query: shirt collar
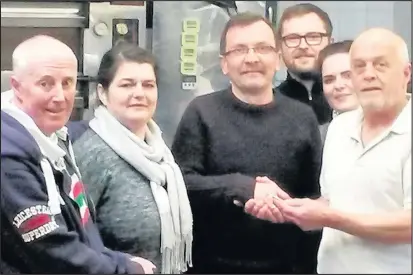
{"type": "Point", "coordinates": [401, 125]}
{"type": "Point", "coordinates": [355, 128]}
{"type": "Point", "coordinates": [335, 114]}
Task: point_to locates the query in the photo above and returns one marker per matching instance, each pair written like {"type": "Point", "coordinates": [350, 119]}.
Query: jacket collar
{"type": "Point", "coordinates": [317, 86]}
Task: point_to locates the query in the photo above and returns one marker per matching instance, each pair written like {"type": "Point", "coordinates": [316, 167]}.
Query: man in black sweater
{"type": "Point", "coordinates": [303, 31]}
{"type": "Point", "coordinates": [228, 138]}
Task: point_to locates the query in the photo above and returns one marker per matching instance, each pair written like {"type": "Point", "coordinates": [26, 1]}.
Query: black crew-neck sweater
{"type": "Point", "coordinates": [221, 145]}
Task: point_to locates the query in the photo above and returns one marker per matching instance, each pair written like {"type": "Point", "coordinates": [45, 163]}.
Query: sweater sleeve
{"type": "Point", "coordinates": [190, 149]}
{"type": "Point", "coordinates": [311, 165]}
{"type": "Point", "coordinates": [41, 239]}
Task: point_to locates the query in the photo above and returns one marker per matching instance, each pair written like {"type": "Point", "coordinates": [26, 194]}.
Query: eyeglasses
{"type": "Point", "coordinates": [312, 39]}
{"type": "Point", "coordinates": [243, 51]}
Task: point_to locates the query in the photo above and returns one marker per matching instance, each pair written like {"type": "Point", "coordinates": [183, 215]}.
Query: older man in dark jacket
{"type": "Point", "coordinates": [46, 216]}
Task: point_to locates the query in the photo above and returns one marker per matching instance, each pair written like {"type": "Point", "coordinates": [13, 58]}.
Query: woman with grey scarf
{"type": "Point", "coordinates": [140, 196]}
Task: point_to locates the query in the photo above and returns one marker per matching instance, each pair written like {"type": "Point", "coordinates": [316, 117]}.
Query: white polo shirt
{"type": "Point", "coordinates": [365, 180]}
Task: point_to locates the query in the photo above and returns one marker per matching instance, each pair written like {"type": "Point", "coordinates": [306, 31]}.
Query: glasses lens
{"type": "Point", "coordinates": [292, 41]}
{"type": "Point", "coordinates": [237, 52]}
{"type": "Point", "coordinates": [313, 38]}
{"type": "Point", "coordinates": [264, 49]}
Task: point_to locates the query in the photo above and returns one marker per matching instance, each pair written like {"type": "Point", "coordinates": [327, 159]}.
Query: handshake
{"type": "Point", "coordinates": [273, 204]}
{"type": "Point", "coordinates": [263, 205]}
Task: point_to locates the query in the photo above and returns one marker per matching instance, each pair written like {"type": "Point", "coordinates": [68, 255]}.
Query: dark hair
{"type": "Point", "coordinates": [121, 52]}
{"type": "Point", "coordinates": [333, 48]}
{"type": "Point", "coordinates": [242, 19]}
{"type": "Point", "coordinates": [304, 9]}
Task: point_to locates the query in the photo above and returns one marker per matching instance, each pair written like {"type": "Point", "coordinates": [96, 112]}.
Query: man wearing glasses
{"type": "Point", "coordinates": [227, 140]}
{"type": "Point", "coordinates": [304, 30]}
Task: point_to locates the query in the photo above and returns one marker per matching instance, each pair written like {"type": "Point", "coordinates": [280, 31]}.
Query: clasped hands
{"type": "Point", "coordinates": [272, 203]}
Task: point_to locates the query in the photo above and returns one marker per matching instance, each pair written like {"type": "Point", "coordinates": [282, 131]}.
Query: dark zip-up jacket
{"type": "Point", "coordinates": [295, 90]}
{"type": "Point", "coordinates": [34, 239]}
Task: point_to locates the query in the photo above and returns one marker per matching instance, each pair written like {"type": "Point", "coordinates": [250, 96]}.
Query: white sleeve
{"type": "Point", "coordinates": [323, 183]}
{"type": "Point", "coordinates": [324, 165]}
{"type": "Point", "coordinates": [407, 183]}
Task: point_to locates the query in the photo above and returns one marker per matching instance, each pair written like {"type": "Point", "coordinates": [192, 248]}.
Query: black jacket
{"type": "Point", "coordinates": [295, 90]}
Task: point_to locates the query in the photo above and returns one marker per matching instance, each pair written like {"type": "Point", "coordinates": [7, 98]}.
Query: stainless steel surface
{"type": "Point", "coordinates": [13, 36]}
{"type": "Point", "coordinates": [5, 80]}
{"type": "Point", "coordinates": [270, 13]}
{"type": "Point", "coordinates": [98, 38]}
{"type": "Point", "coordinates": [42, 14]}
{"type": "Point", "coordinates": [28, 20]}
{"type": "Point", "coordinates": [88, 28]}
{"type": "Point", "coordinates": [21, 20]}
{"type": "Point", "coordinates": [166, 45]}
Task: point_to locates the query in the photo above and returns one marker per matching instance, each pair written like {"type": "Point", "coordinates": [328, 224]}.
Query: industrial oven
{"type": "Point", "coordinates": [183, 35]}
{"type": "Point", "coordinates": [185, 40]}
{"type": "Point", "coordinates": [89, 28]}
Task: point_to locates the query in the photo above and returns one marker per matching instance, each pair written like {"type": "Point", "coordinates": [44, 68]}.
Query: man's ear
{"type": "Point", "coordinates": [280, 61]}
{"type": "Point", "coordinates": [15, 85]}
{"type": "Point", "coordinates": [102, 95]}
{"type": "Point", "coordinates": [331, 40]}
{"type": "Point", "coordinates": [224, 65]}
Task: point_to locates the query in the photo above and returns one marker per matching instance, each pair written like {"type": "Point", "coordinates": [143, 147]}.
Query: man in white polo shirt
{"type": "Point", "coordinates": [365, 208]}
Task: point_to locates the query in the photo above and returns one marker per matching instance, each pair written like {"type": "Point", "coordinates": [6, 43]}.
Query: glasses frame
{"type": "Point", "coordinates": [305, 37]}
{"type": "Point", "coordinates": [242, 52]}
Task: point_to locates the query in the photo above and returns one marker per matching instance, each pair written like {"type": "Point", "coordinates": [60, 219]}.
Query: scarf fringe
{"type": "Point", "coordinates": [176, 255]}
{"type": "Point", "coordinates": [188, 238]}
{"type": "Point", "coordinates": [177, 259]}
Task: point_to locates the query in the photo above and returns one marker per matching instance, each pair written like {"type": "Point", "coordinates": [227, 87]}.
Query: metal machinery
{"type": "Point", "coordinates": [89, 28]}
{"type": "Point", "coordinates": [21, 20]}
{"type": "Point", "coordinates": [184, 37]}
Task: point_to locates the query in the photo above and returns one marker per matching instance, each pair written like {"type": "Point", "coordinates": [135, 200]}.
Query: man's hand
{"type": "Point", "coordinates": [308, 214]}
{"type": "Point", "coordinates": [262, 205]}
{"type": "Point", "coordinates": [264, 187]}
{"type": "Point", "coordinates": [148, 266]}
{"type": "Point", "coordinates": [264, 209]}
